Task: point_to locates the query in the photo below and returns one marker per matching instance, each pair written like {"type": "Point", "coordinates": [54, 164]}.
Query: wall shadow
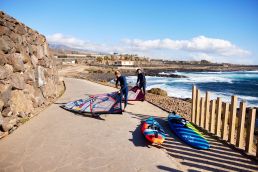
{"type": "Point", "coordinates": [220, 157]}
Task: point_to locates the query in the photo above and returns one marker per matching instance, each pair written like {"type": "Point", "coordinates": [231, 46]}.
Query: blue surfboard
{"type": "Point", "coordinates": [187, 132]}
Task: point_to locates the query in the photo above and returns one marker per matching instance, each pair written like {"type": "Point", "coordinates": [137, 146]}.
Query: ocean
{"type": "Point", "coordinates": [244, 84]}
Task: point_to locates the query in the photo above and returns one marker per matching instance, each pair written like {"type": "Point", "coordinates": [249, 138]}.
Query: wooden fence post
{"type": "Point", "coordinates": [197, 109]}
{"type": "Point", "coordinates": [241, 125]}
{"type": "Point", "coordinates": [207, 111]}
{"type": "Point", "coordinates": [218, 123]}
{"type": "Point", "coordinates": [212, 118]}
{"type": "Point", "coordinates": [202, 113]}
{"type": "Point", "coordinates": [250, 130]}
{"type": "Point", "coordinates": [225, 121]}
{"type": "Point", "coordinates": [232, 126]}
{"type": "Point", "coordinates": [193, 103]}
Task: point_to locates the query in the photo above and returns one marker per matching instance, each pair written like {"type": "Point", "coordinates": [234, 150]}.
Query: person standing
{"type": "Point", "coordinates": [141, 81]}
{"type": "Point", "coordinates": [123, 86]}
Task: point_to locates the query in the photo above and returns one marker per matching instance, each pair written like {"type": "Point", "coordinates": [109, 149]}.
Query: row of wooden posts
{"type": "Point", "coordinates": [220, 118]}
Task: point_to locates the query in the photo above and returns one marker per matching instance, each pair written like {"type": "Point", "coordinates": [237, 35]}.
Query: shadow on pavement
{"type": "Point", "coordinates": [164, 168]}
{"type": "Point", "coordinates": [220, 157]}
{"type": "Point", "coordinates": [138, 138]}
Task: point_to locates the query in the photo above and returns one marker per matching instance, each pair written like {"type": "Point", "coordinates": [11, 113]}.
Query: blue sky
{"type": "Point", "coordinates": [221, 30]}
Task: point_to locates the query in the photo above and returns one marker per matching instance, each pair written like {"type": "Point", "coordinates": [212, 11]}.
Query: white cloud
{"type": "Point", "coordinates": [73, 42]}
{"type": "Point", "coordinates": [200, 47]}
{"type": "Point", "coordinates": [200, 44]}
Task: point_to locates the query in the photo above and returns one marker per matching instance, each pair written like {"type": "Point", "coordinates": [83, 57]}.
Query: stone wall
{"type": "Point", "coordinates": [28, 76]}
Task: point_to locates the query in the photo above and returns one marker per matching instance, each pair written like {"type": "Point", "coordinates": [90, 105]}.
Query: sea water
{"type": "Point", "coordinates": [243, 84]}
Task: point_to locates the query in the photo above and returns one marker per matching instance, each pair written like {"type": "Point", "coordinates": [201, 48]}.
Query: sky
{"type": "Point", "coordinates": [218, 30]}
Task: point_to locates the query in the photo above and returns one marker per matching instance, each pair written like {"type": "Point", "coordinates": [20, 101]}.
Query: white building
{"type": "Point", "coordinates": [123, 63]}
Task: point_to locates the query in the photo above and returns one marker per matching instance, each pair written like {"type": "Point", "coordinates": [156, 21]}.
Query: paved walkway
{"type": "Point", "coordinates": [58, 140]}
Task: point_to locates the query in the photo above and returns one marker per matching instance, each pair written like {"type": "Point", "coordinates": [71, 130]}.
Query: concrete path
{"type": "Point", "coordinates": [58, 140]}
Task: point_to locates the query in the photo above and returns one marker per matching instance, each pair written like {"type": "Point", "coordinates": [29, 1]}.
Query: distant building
{"type": "Point", "coordinates": [124, 63]}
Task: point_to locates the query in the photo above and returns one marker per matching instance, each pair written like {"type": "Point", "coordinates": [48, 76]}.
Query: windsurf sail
{"type": "Point", "coordinates": [109, 103]}
{"type": "Point", "coordinates": [135, 94]}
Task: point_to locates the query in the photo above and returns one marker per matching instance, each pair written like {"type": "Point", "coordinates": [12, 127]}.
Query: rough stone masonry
{"type": "Point", "coordinates": [28, 75]}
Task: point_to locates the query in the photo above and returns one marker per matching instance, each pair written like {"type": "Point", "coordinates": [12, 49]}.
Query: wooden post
{"type": "Point", "coordinates": [202, 112]}
{"type": "Point", "coordinates": [213, 106]}
{"type": "Point", "coordinates": [225, 121]}
{"type": "Point", "coordinates": [197, 109]}
{"type": "Point", "coordinates": [232, 126]}
{"type": "Point", "coordinates": [218, 123]}
{"type": "Point", "coordinates": [207, 111]}
{"type": "Point", "coordinates": [250, 130]}
{"type": "Point", "coordinates": [193, 103]}
{"type": "Point", "coordinates": [241, 125]}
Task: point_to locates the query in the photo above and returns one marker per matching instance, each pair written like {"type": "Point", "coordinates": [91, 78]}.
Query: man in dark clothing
{"type": "Point", "coordinates": [123, 84]}
{"type": "Point", "coordinates": [141, 81]}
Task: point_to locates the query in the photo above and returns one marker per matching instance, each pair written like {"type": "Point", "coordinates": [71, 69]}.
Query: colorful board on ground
{"type": "Point", "coordinates": [187, 132]}
{"type": "Point", "coordinates": [97, 104]}
{"type": "Point", "coordinates": [135, 94]}
{"type": "Point", "coordinates": [153, 131]}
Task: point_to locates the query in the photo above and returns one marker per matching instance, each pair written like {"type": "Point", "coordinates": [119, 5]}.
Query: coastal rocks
{"type": "Point", "coordinates": [158, 91]}
{"type": "Point", "coordinates": [27, 72]}
{"type": "Point", "coordinates": [171, 104]}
